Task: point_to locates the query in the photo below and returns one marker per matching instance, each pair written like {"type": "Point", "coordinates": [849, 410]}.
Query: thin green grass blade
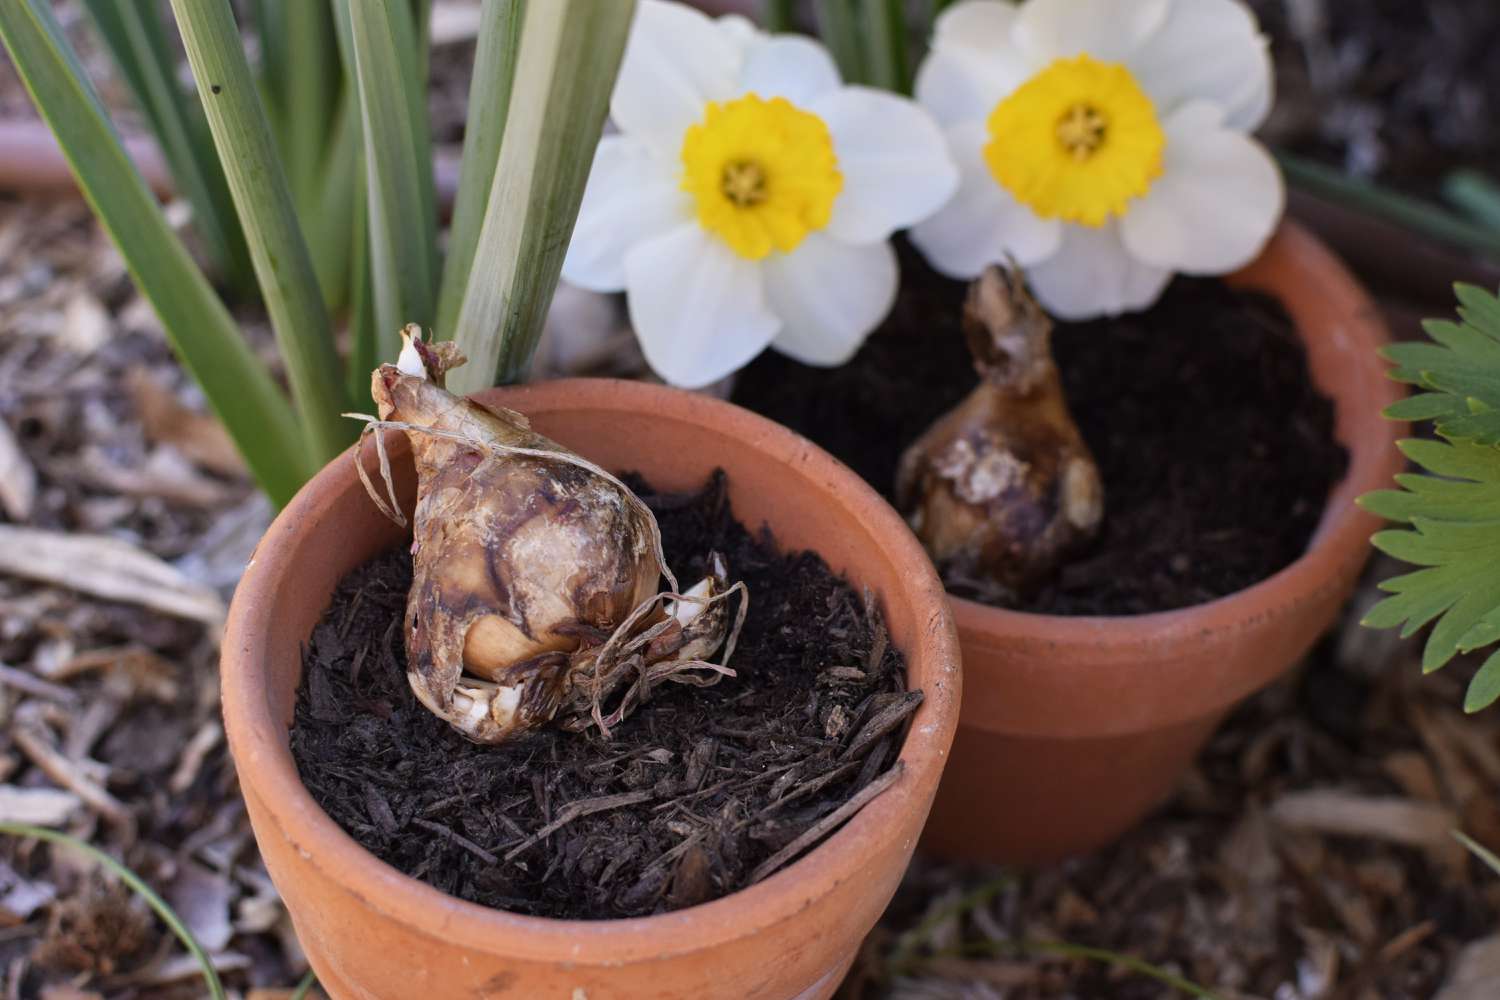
{"type": "Point", "coordinates": [304, 988]}
{"type": "Point", "coordinates": [137, 885]}
{"type": "Point", "coordinates": [1404, 210]}
{"type": "Point", "coordinates": [136, 36]}
{"type": "Point", "coordinates": [201, 331]}
{"type": "Point", "coordinates": [283, 265]}
{"type": "Point", "coordinates": [398, 165]}
{"type": "Point", "coordinates": [489, 102]}
{"type": "Point", "coordinates": [1484, 854]}
{"type": "Point", "coordinates": [1476, 195]}
{"type": "Point", "coordinates": [570, 53]}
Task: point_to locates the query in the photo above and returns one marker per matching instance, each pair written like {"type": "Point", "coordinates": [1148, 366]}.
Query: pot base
{"type": "Point", "coordinates": [1062, 796]}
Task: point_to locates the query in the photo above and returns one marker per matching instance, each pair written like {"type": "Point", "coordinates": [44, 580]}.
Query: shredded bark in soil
{"type": "Point", "coordinates": [1216, 450]}
{"type": "Point", "coordinates": [699, 793]}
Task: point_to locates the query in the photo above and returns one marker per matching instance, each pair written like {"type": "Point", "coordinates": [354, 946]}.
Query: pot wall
{"type": "Point", "coordinates": [1073, 728]}
{"type": "Point", "coordinates": [372, 932]}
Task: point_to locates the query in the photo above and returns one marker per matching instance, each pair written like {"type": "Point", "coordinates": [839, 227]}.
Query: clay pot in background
{"type": "Point", "coordinates": [1074, 727]}
{"type": "Point", "coordinates": [372, 932]}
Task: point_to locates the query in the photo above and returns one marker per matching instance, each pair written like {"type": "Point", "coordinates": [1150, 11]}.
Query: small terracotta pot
{"type": "Point", "coordinates": [372, 932]}
{"type": "Point", "coordinates": [1074, 727]}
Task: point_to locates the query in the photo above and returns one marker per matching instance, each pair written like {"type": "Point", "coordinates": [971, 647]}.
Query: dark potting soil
{"type": "Point", "coordinates": [1216, 450]}
{"type": "Point", "coordinates": [692, 797]}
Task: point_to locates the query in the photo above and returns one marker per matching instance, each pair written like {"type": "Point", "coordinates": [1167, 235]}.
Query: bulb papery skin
{"type": "Point", "coordinates": [1002, 487]}
{"type": "Point", "coordinates": [527, 561]}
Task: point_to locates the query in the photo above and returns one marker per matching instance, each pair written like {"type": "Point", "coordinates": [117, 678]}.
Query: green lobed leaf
{"type": "Point", "coordinates": [203, 334]}
{"type": "Point", "coordinates": [1484, 688]}
{"type": "Point", "coordinates": [1454, 533]}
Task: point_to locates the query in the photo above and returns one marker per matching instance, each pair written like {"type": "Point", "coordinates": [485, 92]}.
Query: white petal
{"type": "Point", "coordinates": [829, 296]}
{"type": "Point", "coordinates": [982, 25]}
{"type": "Point", "coordinates": [789, 66]}
{"type": "Point", "coordinates": [631, 196]}
{"type": "Point", "coordinates": [1209, 49]}
{"type": "Point", "coordinates": [698, 308]}
{"type": "Point", "coordinates": [982, 224]}
{"type": "Point", "coordinates": [1108, 30]}
{"type": "Point", "coordinates": [1092, 274]}
{"type": "Point", "coordinates": [1215, 205]}
{"type": "Point", "coordinates": [676, 60]}
{"type": "Point", "coordinates": [740, 28]}
{"type": "Point", "coordinates": [972, 63]}
{"type": "Point", "coordinates": [894, 161]}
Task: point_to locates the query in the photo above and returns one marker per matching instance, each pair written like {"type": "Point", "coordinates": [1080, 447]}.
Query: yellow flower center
{"type": "Point", "coordinates": [1077, 141]}
{"type": "Point", "coordinates": [763, 173]}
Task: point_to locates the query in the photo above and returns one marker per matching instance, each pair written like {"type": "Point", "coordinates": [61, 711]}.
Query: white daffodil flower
{"type": "Point", "coordinates": [749, 196]}
{"type": "Point", "coordinates": [1102, 144]}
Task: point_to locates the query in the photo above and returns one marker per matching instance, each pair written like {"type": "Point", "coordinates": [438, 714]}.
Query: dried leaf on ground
{"type": "Point", "coordinates": [106, 567]}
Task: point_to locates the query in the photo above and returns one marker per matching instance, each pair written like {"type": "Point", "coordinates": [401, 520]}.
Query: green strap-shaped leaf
{"type": "Point", "coordinates": [484, 128]}
{"type": "Point", "coordinates": [402, 220]}
{"type": "Point", "coordinates": [283, 266]}
{"type": "Point", "coordinates": [136, 36]}
{"type": "Point", "coordinates": [570, 53]}
{"type": "Point", "coordinates": [203, 334]}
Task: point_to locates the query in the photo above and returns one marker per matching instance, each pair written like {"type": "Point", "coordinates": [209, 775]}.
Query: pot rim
{"type": "Point", "coordinates": [260, 746]}
{"type": "Point", "coordinates": [1343, 527]}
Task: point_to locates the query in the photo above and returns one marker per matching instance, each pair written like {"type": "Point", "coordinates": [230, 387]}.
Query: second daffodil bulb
{"type": "Point", "coordinates": [749, 197]}
{"type": "Point", "coordinates": [1102, 144]}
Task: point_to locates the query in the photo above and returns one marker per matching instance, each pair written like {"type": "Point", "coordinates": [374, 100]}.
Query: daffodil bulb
{"type": "Point", "coordinates": [749, 196]}
{"type": "Point", "coordinates": [1102, 144]}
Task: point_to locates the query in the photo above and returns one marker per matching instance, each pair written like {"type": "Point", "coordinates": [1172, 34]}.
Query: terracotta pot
{"type": "Point", "coordinates": [1074, 727]}
{"type": "Point", "coordinates": [372, 932]}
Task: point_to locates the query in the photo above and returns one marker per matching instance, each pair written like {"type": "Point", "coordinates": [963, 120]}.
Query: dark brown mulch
{"type": "Point", "coordinates": [1400, 91]}
{"type": "Point", "coordinates": [710, 783]}
{"type": "Point", "coordinates": [1217, 453]}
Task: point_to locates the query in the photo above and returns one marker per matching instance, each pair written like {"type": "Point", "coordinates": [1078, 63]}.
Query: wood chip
{"type": "Point", "coordinates": [1475, 973]}
{"type": "Point", "coordinates": [828, 823]}
{"type": "Point", "coordinates": [50, 807]}
{"type": "Point", "coordinates": [17, 477]}
{"type": "Point", "coordinates": [106, 567]}
{"type": "Point", "coordinates": [208, 736]}
{"type": "Point", "coordinates": [28, 683]}
{"type": "Point", "coordinates": [576, 810]}
{"type": "Point", "coordinates": [198, 436]}
{"type": "Point", "coordinates": [1346, 814]}
{"type": "Point", "coordinates": [35, 741]}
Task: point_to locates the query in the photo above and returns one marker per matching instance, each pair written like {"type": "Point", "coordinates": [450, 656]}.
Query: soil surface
{"type": "Point", "coordinates": [1217, 452]}
{"type": "Point", "coordinates": [691, 798]}
{"type": "Point", "coordinates": [1389, 89]}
